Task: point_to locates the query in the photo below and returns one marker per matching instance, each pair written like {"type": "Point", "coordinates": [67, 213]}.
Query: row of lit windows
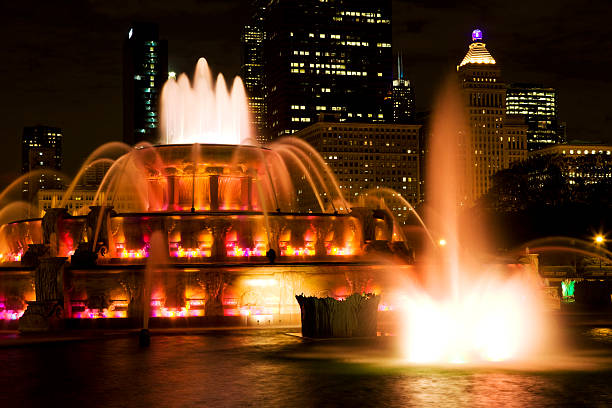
{"type": "Point", "coordinates": [525, 95]}
{"type": "Point", "coordinates": [359, 14]}
{"type": "Point", "coordinates": [607, 152]}
{"type": "Point", "coordinates": [369, 115]}
{"type": "Point", "coordinates": [371, 129]}
{"type": "Point", "coordinates": [364, 20]}
{"type": "Point", "coordinates": [344, 139]}
{"type": "Point", "coordinates": [332, 66]}
{"type": "Point", "coordinates": [319, 54]}
{"type": "Point", "coordinates": [329, 72]}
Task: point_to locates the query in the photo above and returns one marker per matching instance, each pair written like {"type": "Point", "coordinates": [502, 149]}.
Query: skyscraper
{"type": "Point", "coordinates": [539, 105]}
{"type": "Point", "coordinates": [368, 157]}
{"type": "Point", "coordinates": [402, 96]}
{"type": "Point", "coordinates": [488, 148]}
{"type": "Point", "coordinates": [41, 149]}
{"type": "Point", "coordinates": [251, 68]}
{"type": "Point", "coordinates": [325, 57]}
{"type": "Point", "coordinates": [145, 70]}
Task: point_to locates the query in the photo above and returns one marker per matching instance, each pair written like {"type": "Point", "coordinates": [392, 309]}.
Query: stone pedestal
{"type": "Point", "coordinates": [52, 226]}
{"type": "Point", "coordinates": [52, 303]}
{"type": "Point", "coordinates": [133, 283]}
{"type": "Point", "coordinates": [218, 228]}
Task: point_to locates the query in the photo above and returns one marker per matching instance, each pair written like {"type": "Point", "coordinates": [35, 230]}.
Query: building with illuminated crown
{"type": "Point", "coordinates": [145, 70]}
{"type": "Point", "coordinates": [402, 97]}
{"type": "Point", "coordinates": [539, 105]}
{"type": "Point", "coordinates": [330, 57]}
{"type": "Point", "coordinates": [366, 157]}
{"type": "Point", "coordinates": [489, 147]}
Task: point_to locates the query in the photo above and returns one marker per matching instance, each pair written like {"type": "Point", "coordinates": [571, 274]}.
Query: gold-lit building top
{"type": "Point", "coordinates": [477, 54]}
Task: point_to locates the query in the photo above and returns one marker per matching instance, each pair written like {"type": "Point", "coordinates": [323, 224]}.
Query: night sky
{"type": "Point", "coordinates": [61, 61]}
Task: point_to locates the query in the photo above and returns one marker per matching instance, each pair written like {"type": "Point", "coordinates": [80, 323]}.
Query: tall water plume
{"type": "Point", "coordinates": [466, 310]}
{"type": "Point", "coordinates": [204, 110]}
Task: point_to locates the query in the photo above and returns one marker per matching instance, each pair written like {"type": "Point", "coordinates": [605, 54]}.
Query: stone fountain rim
{"type": "Point", "coordinates": [187, 213]}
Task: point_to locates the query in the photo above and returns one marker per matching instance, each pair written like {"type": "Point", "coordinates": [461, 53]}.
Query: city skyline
{"type": "Point", "coordinates": [75, 80]}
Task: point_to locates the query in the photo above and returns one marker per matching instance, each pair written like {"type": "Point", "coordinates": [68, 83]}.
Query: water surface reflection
{"type": "Point", "coordinates": [255, 368]}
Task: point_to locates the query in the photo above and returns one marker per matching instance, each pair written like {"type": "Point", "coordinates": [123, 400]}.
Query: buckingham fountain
{"type": "Point", "coordinates": [209, 228]}
{"type": "Point", "coordinates": [243, 228]}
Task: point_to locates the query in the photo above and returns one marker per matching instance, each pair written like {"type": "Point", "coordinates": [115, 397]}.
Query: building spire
{"type": "Point", "coordinates": [477, 52]}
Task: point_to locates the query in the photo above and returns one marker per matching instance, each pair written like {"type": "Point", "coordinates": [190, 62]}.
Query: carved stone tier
{"type": "Point", "coordinates": [49, 309]}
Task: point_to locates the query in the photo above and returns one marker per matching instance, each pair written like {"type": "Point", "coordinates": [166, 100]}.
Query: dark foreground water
{"type": "Point", "coordinates": [272, 369]}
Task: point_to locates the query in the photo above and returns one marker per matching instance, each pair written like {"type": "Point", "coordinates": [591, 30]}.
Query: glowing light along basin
{"type": "Point", "coordinates": [491, 323]}
{"type": "Point", "coordinates": [11, 314]}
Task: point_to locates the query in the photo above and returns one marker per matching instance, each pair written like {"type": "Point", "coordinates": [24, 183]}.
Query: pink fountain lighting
{"type": "Point", "coordinates": [177, 251]}
{"type": "Point", "coordinates": [234, 250]}
{"type": "Point", "coordinates": [11, 257]}
{"type": "Point", "coordinates": [117, 310]}
{"type": "Point", "coordinates": [8, 314]}
{"type": "Point", "coordinates": [204, 110]}
{"type": "Point", "coordinates": [193, 307]}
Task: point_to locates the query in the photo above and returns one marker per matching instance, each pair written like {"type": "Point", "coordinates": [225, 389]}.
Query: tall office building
{"type": "Point", "coordinates": [145, 70]}
{"type": "Point", "coordinates": [325, 57]}
{"type": "Point", "coordinates": [402, 97]}
{"type": "Point", "coordinates": [539, 105]}
{"type": "Point", "coordinates": [487, 146]}
{"type": "Point", "coordinates": [41, 149]}
{"type": "Point", "coordinates": [368, 157]}
{"type": "Point", "coordinates": [251, 68]}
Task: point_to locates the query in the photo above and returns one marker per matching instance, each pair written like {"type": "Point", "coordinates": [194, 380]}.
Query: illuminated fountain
{"type": "Point", "coordinates": [215, 229]}
{"type": "Point", "coordinates": [465, 309]}
{"type": "Point", "coordinates": [223, 207]}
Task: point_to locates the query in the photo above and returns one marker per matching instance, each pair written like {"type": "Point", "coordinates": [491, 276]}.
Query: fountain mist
{"type": "Point", "coordinates": [466, 311]}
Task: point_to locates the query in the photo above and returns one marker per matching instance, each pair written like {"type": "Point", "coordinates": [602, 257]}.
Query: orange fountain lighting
{"type": "Point", "coordinates": [288, 250]}
{"type": "Point", "coordinates": [233, 250]}
{"type": "Point", "coordinates": [11, 257]}
{"type": "Point", "coordinates": [125, 253]}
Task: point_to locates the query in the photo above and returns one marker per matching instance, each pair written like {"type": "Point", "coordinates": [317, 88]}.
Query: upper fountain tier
{"type": "Point", "coordinates": [204, 110]}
